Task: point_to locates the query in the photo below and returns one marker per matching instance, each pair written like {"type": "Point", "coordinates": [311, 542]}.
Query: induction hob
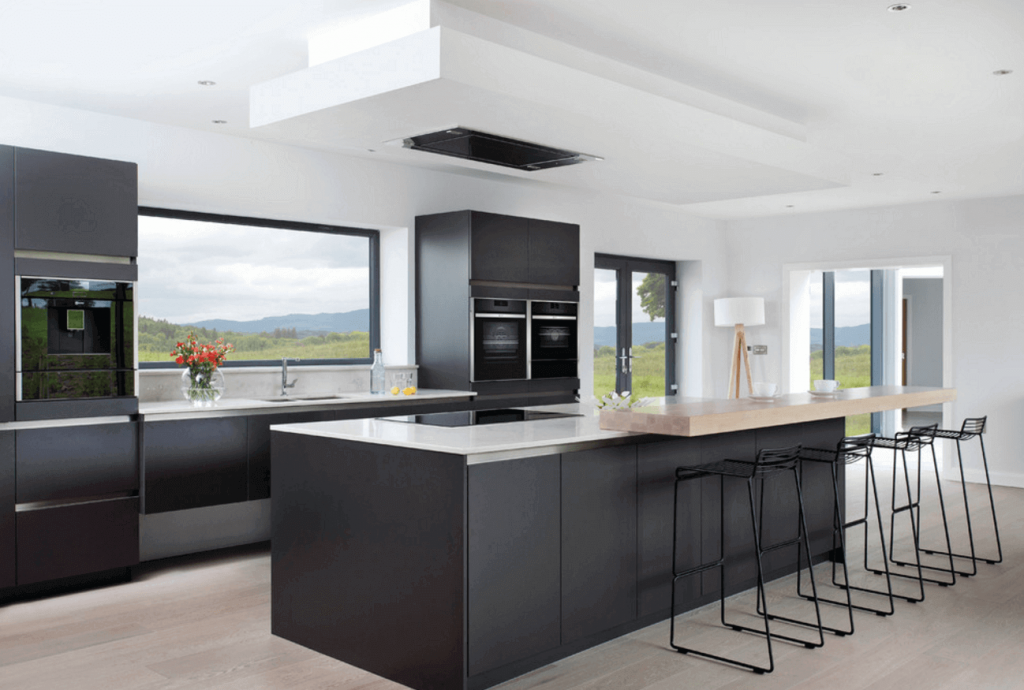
{"type": "Point", "coordinates": [477, 417]}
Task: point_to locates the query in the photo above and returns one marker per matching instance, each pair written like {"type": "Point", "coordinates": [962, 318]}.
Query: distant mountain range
{"type": "Point", "coordinates": [846, 336]}
{"type": "Point", "coordinates": [643, 332]}
{"type": "Point", "coordinates": [358, 320]}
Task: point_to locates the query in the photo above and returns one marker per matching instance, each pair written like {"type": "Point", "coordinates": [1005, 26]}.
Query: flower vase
{"type": "Point", "coordinates": [202, 388]}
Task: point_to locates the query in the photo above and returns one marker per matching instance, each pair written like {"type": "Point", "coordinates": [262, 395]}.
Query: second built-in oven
{"type": "Point", "coordinates": [554, 339]}
{"type": "Point", "coordinates": [499, 340]}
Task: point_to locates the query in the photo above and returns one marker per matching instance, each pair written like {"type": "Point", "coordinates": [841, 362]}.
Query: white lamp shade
{"type": "Point", "coordinates": [748, 311]}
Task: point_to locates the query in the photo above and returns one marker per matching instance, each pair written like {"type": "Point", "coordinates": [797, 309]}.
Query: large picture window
{"type": "Point", "coordinates": [272, 289]}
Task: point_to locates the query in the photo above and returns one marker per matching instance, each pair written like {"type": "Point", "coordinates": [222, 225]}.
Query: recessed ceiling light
{"type": "Point", "coordinates": [789, 205]}
{"type": "Point", "coordinates": [936, 192]}
{"type": "Point", "coordinates": [206, 82]}
{"type": "Point", "coordinates": [1002, 72]}
{"type": "Point", "coordinates": [877, 174]}
{"type": "Point", "coordinates": [220, 122]}
{"type": "Point", "coordinates": [899, 7]}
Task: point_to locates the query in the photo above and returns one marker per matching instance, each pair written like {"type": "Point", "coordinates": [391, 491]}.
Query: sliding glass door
{"type": "Point", "coordinates": [634, 326]}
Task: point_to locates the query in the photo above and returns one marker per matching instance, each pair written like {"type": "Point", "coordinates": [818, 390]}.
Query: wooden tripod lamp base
{"type": "Point", "coordinates": [739, 312]}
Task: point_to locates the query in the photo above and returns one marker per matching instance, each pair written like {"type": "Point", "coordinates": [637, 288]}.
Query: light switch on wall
{"type": "Point", "coordinates": [758, 349]}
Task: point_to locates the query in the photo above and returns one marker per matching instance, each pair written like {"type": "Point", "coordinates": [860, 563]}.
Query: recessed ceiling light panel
{"type": "Point", "coordinates": [899, 7]}
{"type": "Point", "coordinates": [1002, 72]}
{"type": "Point", "coordinates": [482, 147]}
{"type": "Point", "coordinates": [220, 122]}
{"type": "Point", "coordinates": [206, 82]}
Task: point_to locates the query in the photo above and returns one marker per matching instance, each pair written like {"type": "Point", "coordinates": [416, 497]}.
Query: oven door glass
{"type": "Point", "coordinates": [499, 348]}
{"type": "Point", "coordinates": [555, 351]}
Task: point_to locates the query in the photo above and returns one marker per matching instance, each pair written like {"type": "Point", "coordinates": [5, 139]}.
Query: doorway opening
{"type": "Point", "coordinates": [634, 326]}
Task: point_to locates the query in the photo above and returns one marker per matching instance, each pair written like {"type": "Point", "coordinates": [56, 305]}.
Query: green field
{"type": "Point", "coordinates": [853, 370]}
{"type": "Point", "coordinates": [648, 370]}
{"type": "Point", "coordinates": [157, 339]}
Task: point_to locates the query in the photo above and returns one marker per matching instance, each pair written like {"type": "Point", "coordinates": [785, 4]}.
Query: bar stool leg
{"type": "Point", "coordinates": [802, 540]}
{"type": "Point", "coordinates": [970, 532]}
{"type": "Point", "coordinates": [951, 570]}
{"type": "Point", "coordinates": [992, 505]}
{"type": "Point", "coordinates": [838, 534]}
{"type": "Point", "coordinates": [908, 508]}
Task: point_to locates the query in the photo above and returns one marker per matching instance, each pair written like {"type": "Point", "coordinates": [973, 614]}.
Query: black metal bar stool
{"type": "Point", "coordinates": [973, 427]}
{"type": "Point", "coordinates": [916, 440]}
{"type": "Point", "coordinates": [850, 450]}
{"type": "Point", "coordinates": [768, 461]}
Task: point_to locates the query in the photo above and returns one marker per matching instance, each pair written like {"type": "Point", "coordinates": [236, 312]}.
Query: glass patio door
{"type": "Point", "coordinates": [634, 326]}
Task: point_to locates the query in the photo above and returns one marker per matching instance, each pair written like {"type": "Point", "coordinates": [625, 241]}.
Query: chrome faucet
{"type": "Point", "coordinates": [284, 375]}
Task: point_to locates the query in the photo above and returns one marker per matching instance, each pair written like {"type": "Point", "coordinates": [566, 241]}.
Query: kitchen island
{"type": "Point", "coordinates": [460, 557]}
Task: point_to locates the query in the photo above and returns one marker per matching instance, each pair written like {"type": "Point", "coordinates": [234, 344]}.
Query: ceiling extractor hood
{"type": "Point", "coordinates": [482, 147]}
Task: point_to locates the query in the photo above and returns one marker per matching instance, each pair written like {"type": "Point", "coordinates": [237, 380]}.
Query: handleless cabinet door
{"type": "Point", "coordinates": [67, 463]}
{"type": "Point", "coordinates": [7, 529]}
{"type": "Point", "coordinates": [513, 560]}
{"type": "Point", "coordinates": [554, 253]}
{"type": "Point", "coordinates": [259, 446]}
{"type": "Point", "coordinates": [599, 552]}
{"type": "Point", "coordinates": [75, 204]}
{"type": "Point", "coordinates": [194, 463]}
{"type": "Point", "coordinates": [499, 248]}
{"type": "Point", "coordinates": [656, 487]}
{"type": "Point", "coordinates": [7, 291]}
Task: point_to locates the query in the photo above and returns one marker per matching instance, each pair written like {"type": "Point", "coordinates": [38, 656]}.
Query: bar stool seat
{"type": "Point", "coordinates": [768, 461]}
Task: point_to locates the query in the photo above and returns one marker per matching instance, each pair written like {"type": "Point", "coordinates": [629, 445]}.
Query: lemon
{"type": "Point", "coordinates": [394, 390]}
{"type": "Point", "coordinates": [411, 390]}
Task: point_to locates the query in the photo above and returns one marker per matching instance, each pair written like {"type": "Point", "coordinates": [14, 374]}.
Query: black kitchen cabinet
{"type": "Point", "coordinates": [7, 290]}
{"type": "Point", "coordinates": [73, 462]}
{"type": "Point", "coordinates": [7, 500]}
{"type": "Point", "coordinates": [554, 254]}
{"type": "Point", "coordinates": [67, 540]}
{"type": "Point", "coordinates": [258, 435]}
{"type": "Point", "coordinates": [499, 248]}
{"type": "Point", "coordinates": [194, 463]}
{"type": "Point", "coordinates": [656, 472]}
{"type": "Point", "coordinates": [599, 550]}
{"type": "Point", "coordinates": [466, 254]}
{"type": "Point", "coordinates": [75, 204]}
{"type": "Point", "coordinates": [513, 560]}
{"type": "Point", "coordinates": [77, 494]}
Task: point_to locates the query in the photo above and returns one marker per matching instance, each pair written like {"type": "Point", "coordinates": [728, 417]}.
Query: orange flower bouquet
{"type": "Point", "coordinates": [202, 383]}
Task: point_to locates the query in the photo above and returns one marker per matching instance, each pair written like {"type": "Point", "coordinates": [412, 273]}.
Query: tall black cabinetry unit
{"type": "Point", "coordinates": [465, 254]}
{"type": "Point", "coordinates": [69, 494]}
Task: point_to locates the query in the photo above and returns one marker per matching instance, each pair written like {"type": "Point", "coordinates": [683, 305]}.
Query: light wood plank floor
{"type": "Point", "coordinates": [204, 622]}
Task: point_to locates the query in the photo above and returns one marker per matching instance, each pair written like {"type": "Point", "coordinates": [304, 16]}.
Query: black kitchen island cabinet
{"type": "Point", "coordinates": [447, 558]}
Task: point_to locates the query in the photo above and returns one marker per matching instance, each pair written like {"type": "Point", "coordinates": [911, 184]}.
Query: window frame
{"type": "Point", "coordinates": [374, 264]}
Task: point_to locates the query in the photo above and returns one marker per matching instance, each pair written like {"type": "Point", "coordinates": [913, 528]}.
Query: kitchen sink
{"type": "Point", "coordinates": [311, 398]}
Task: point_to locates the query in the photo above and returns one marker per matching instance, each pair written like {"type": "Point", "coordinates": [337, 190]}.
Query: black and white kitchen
{"type": "Point", "coordinates": [526, 210]}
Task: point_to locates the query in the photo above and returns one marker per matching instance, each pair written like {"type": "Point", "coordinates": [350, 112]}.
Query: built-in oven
{"type": "Point", "coordinates": [499, 340]}
{"type": "Point", "coordinates": [554, 339]}
{"type": "Point", "coordinates": [75, 339]}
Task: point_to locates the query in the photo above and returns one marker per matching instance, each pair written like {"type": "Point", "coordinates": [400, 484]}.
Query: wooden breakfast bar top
{"type": "Point", "coordinates": [700, 417]}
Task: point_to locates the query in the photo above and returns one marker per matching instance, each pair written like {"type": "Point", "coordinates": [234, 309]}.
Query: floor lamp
{"type": "Point", "coordinates": [739, 312]}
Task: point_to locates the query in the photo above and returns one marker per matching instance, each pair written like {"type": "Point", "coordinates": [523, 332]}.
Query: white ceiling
{"type": "Point", "coordinates": [725, 109]}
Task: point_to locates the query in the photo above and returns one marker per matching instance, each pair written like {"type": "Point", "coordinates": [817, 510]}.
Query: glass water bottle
{"type": "Point", "coordinates": [377, 376]}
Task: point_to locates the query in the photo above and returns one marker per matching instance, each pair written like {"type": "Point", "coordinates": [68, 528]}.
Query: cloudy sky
{"type": "Point", "coordinates": [192, 271]}
{"type": "Point", "coordinates": [604, 298]}
{"type": "Point", "coordinates": [853, 298]}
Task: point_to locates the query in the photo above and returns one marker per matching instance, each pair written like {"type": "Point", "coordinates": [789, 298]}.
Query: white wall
{"type": "Point", "coordinates": [985, 239]}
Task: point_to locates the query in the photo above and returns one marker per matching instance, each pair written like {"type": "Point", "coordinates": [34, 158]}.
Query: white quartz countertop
{"type": "Point", "coordinates": [181, 409]}
{"type": "Point", "coordinates": [481, 443]}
